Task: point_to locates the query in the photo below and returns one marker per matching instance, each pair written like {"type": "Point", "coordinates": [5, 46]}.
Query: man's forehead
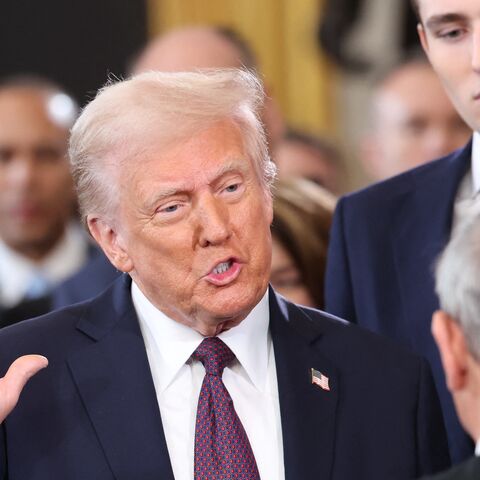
{"type": "Point", "coordinates": [179, 178]}
{"type": "Point", "coordinates": [33, 108]}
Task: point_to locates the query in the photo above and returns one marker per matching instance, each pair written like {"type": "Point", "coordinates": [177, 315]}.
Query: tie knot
{"type": "Point", "coordinates": [214, 355]}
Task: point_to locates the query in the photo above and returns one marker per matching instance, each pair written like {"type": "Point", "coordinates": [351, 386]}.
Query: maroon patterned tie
{"type": "Point", "coordinates": [222, 449]}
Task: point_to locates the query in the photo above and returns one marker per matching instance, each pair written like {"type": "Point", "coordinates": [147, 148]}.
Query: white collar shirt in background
{"type": "Point", "coordinates": [251, 382]}
{"type": "Point", "coordinates": [65, 259]}
{"type": "Point", "coordinates": [467, 199]}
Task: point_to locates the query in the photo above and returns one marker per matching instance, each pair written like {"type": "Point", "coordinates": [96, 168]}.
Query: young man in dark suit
{"type": "Point", "coordinates": [385, 238]}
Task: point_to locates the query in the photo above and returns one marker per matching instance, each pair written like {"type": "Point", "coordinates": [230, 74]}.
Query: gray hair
{"type": "Point", "coordinates": [458, 280]}
{"type": "Point", "coordinates": [161, 108]}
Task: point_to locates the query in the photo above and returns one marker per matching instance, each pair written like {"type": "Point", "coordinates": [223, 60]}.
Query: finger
{"type": "Point", "coordinates": [11, 385]}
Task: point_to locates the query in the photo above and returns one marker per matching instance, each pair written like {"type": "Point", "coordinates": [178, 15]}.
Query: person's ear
{"type": "Point", "coordinates": [110, 242]}
{"type": "Point", "coordinates": [423, 38]}
{"type": "Point", "coordinates": [453, 349]}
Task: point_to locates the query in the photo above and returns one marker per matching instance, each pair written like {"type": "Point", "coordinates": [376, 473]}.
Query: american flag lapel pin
{"type": "Point", "coordinates": [319, 379]}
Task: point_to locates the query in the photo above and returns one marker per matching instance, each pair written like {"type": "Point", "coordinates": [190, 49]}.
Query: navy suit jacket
{"type": "Point", "coordinates": [383, 245]}
{"type": "Point", "coordinates": [468, 470]}
{"type": "Point", "coordinates": [93, 413]}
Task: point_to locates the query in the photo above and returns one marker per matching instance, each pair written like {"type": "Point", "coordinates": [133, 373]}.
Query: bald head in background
{"type": "Point", "coordinates": [413, 121]}
{"type": "Point", "coordinates": [198, 47]}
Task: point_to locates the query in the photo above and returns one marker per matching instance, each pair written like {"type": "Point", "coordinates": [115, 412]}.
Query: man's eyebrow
{"type": "Point", "coordinates": [230, 167]}
{"type": "Point", "coordinates": [233, 166]}
{"type": "Point", "coordinates": [439, 20]}
{"type": "Point", "coordinates": [164, 194]}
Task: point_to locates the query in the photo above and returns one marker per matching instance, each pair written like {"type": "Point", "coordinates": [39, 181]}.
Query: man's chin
{"type": "Point", "coordinates": [219, 320]}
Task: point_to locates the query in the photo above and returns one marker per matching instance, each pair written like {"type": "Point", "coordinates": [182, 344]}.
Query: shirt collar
{"type": "Point", "coordinates": [173, 343]}
{"type": "Point", "coordinates": [251, 342]}
{"type": "Point", "coordinates": [476, 162]}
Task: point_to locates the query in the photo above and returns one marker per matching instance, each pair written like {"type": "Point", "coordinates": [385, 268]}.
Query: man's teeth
{"type": "Point", "coordinates": [222, 267]}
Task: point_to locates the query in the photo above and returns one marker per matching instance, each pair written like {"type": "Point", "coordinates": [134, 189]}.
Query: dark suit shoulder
{"type": "Point", "coordinates": [48, 335]}
{"type": "Point", "coordinates": [61, 332]}
{"type": "Point", "coordinates": [92, 279]}
{"type": "Point", "coordinates": [345, 341]}
{"type": "Point", "coordinates": [455, 162]}
{"type": "Point", "coordinates": [468, 470]}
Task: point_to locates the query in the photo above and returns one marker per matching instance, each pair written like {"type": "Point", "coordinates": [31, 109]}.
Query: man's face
{"type": "Point", "coordinates": [193, 229]}
{"type": "Point", "coordinates": [36, 193]}
{"type": "Point", "coordinates": [414, 122]}
{"type": "Point", "coordinates": [450, 34]}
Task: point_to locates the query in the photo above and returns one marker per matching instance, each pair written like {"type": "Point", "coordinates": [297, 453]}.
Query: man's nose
{"type": "Point", "coordinates": [21, 172]}
{"type": "Point", "coordinates": [213, 221]}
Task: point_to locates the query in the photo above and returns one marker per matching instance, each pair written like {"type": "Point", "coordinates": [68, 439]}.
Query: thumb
{"type": "Point", "coordinates": [11, 385]}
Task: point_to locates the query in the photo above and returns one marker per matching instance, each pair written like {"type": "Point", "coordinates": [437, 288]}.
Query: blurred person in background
{"type": "Point", "coordinates": [197, 47]}
{"type": "Point", "coordinates": [413, 120]}
{"type": "Point", "coordinates": [40, 243]}
{"type": "Point", "coordinates": [385, 238]}
{"type": "Point", "coordinates": [302, 215]}
{"type": "Point", "coordinates": [299, 154]}
{"type": "Point", "coordinates": [456, 328]}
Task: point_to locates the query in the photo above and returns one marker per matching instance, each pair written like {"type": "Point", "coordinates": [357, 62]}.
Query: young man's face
{"type": "Point", "coordinates": [450, 35]}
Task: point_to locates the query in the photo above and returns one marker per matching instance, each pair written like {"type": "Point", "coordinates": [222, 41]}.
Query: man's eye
{"type": "Point", "coordinates": [450, 34]}
{"type": "Point", "coordinates": [170, 208]}
{"type": "Point", "coordinates": [5, 155]}
{"type": "Point", "coordinates": [232, 188]}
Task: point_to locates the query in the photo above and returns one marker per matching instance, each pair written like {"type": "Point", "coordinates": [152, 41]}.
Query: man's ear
{"type": "Point", "coordinates": [423, 38]}
{"type": "Point", "coordinates": [110, 242]}
{"type": "Point", "coordinates": [453, 349]}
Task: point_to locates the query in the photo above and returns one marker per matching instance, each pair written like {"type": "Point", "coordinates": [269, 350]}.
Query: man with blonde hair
{"type": "Point", "coordinates": [189, 366]}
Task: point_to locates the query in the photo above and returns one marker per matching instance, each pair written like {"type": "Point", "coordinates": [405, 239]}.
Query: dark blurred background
{"type": "Point", "coordinates": [75, 43]}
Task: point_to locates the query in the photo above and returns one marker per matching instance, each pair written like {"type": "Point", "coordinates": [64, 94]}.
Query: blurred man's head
{"type": "Point", "coordinates": [36, 191]}
{"type": "Point", "coordinates": [450, 35]}
{"type": "Point", "coordinates": [173, 179]}
{"type": "Point", "coordinates": [190, 48]}
{"type": "Point", "coordinates": [200, 47]}
{"type": "Point", "coordinates": [300, 155]}
{"type": "Point", "coordinates": [456, 327]}
{"type": "Point", "coordinates": [413, 121]}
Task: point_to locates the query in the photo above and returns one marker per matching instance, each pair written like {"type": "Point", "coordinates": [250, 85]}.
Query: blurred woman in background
{"type": "Point", "coordinates": [302, 217]}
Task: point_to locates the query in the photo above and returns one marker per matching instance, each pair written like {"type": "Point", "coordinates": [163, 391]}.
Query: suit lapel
{"type": "Point", "coordinates": [423, 220]}
{"type": "Point", "coordinates": [113, 378]}
{"type": "Point", "coordinates": [307, 411]}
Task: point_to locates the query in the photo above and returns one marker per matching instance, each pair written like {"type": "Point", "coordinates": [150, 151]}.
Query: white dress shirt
{"type": "Point", "coordinates": [17, 271]}
{"type": "Point", "coordinates": [467, 199]}
{"type": "Point", "coordinates": [251, 382]}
